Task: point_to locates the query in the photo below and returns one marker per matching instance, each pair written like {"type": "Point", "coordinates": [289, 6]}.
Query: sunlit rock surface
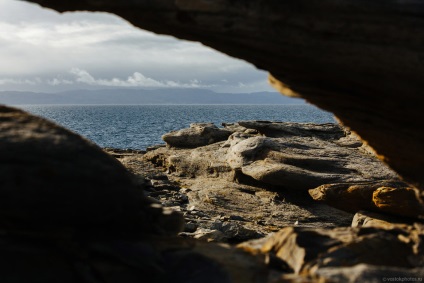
{"type": "Point", "coordinates": [352, 58]}
{"type": "Point", "coordinates": [198, 134]}
{"type": "Point", "coordinates": [391, 197]}
{"type": "Point", "coordinates": [258, 180]}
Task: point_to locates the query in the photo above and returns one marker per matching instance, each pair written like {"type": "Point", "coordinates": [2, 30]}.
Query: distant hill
{"type": "Point", "coordinates": [137, 96]}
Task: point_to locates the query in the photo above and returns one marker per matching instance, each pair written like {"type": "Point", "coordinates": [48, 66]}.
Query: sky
{"type": "Point", "coordinates": [44, 51]}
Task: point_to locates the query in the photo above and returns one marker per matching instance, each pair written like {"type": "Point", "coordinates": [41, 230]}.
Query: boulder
{"type": "Point", "coordinates": [393, 197]}
{"type": "Point", "coordinates": [368, 273]}
{"type": "Point", "coordinates": [199, 134]}
{"type": "Point", "coordinates": [400, 201]}
{"type": "Point", "coordinates": [384, 221]}
{"type": "Point", "coordinates": [155, 260]}
{"type": "Point", "coordinates": [53, 179]}
{"type": "Point", "coordinates": [307, 250]}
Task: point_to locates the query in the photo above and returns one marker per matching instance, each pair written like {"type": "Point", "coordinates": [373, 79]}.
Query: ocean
{"type": "Point", "coordinates": [140, 126]}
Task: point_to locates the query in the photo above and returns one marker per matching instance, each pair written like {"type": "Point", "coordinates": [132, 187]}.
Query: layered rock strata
{"type": "Point", "coordinates": [290, 158]}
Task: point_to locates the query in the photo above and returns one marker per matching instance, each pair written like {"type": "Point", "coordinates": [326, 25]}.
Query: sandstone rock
{"type": "Point", "coordinates": [297, 246]}
{"type": "Point", "coordinates": [213, 195]}
{"type": "Point", "coordinates": [372, 196]}
{"type": "Point", "coordinates": [403, 201]}
{"type": "Point", "coordinates": [233, 231]}
{"type": "Point", "coordinates": [327, 131]}
{"type": "Point", "coordinates": [368, 273]}
{"type": "Point", "coordinates": [209, 235]}
{"type": "Point", "coordinates": [328, 52]}
{"type": "Point", "coordinates": [192, 162]}
{"type": "Point", "coordinates": [293, 156]}
{"type": "Point", "coordinates": [311, 250]}
{"type": "Point", "coordinates": [51, 178]}
{"type": "Point", "coordinates": [298, 157]}
{"type": "Point", "coordinates": [199, 134]}
{"type": "Point", "coordinates": [303, 156]}
{"type": "Point", "coordinates": [378, 220]}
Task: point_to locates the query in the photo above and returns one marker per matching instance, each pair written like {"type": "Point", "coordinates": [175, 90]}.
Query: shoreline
{"type": "Point", "coordinates": [199, 174]}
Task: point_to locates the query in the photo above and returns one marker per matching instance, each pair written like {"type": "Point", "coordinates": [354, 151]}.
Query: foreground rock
{"type": "Point", "coordinates": [336, 253]}
{"type": "Point", "coordinates": [54, 179]}
{"type": "Point", "coordinates": [71, 213]}
{"type": "Point", "coordinates": [378, 220]}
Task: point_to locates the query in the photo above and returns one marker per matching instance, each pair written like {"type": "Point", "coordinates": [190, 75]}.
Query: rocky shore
{"type": "Point", "coordinates": [252, 202]}
{"type": "Point", "coordinates": [314, 196]}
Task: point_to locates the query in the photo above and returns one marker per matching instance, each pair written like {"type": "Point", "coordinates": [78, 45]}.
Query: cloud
{"type": "Point", "coordinates": [108, 51]}
{"type": "Point", "coordinates": [135, 80]}
{"type": "Point", "coordinates": [56, 82]}
{"type": "Point", "coordinates": [81, 76]}
{"type": "Point", "coordinates": [6, 81]}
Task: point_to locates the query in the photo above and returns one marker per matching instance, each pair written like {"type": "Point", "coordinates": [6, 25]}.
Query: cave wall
{"type": "Point", "coordinates": [363, 60]}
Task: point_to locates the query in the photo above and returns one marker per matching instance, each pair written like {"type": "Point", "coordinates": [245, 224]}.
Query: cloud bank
{"type": "Point", "coordinates": [40, 46]}
{"type": "Point", "coordinates": [135, 80]}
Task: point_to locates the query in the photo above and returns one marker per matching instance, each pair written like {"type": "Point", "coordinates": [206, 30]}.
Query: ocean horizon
{"type": "Point", "coordinates": [141, 126]}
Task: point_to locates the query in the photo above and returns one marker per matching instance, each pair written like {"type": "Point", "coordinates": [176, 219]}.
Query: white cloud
{"type": "Point", "coordinates": [38, 42]}
{"type": "Point", "coordinates": [56, 82]}
{"type": "Point", "coordinates": [6, 81]}
{"type": "Point", "coordinates": [135, 80]}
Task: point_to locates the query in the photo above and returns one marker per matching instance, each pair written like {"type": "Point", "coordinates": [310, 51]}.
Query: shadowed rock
{"type": "Point", "coordinates": [53, 179]}
{"type": "Point", "coordinates": [311, 250]}
{"type": "Point", "coordinates": [378, 220]}
{"type": "Point", "coordinates": [367, 273]}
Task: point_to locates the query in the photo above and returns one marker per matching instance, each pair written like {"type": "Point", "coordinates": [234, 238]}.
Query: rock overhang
{"type": "Point", "coordinates": [360, 60]}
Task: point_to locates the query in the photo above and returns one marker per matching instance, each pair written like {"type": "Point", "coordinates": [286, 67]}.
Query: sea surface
{"type": "Point", "coordinates": [140, 126]}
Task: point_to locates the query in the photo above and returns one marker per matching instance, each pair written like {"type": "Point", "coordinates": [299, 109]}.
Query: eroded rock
{"type": "Point", "coordinates": [384, 221]}
{"type": "Point", "coordinates": [216, 202]}
{"type": "Point", "coordinates": [303, 156]}
{"type": "Point", "coordinates": [199, 134]}
{"type": "Point", "coordinates": [368, 273]}
{"type": "Point", "coordinates": [392, 197]}
{"type": "Point", "coordinates": [308, 250]}
{"type": "Point", "coordinates": [287, 155]}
